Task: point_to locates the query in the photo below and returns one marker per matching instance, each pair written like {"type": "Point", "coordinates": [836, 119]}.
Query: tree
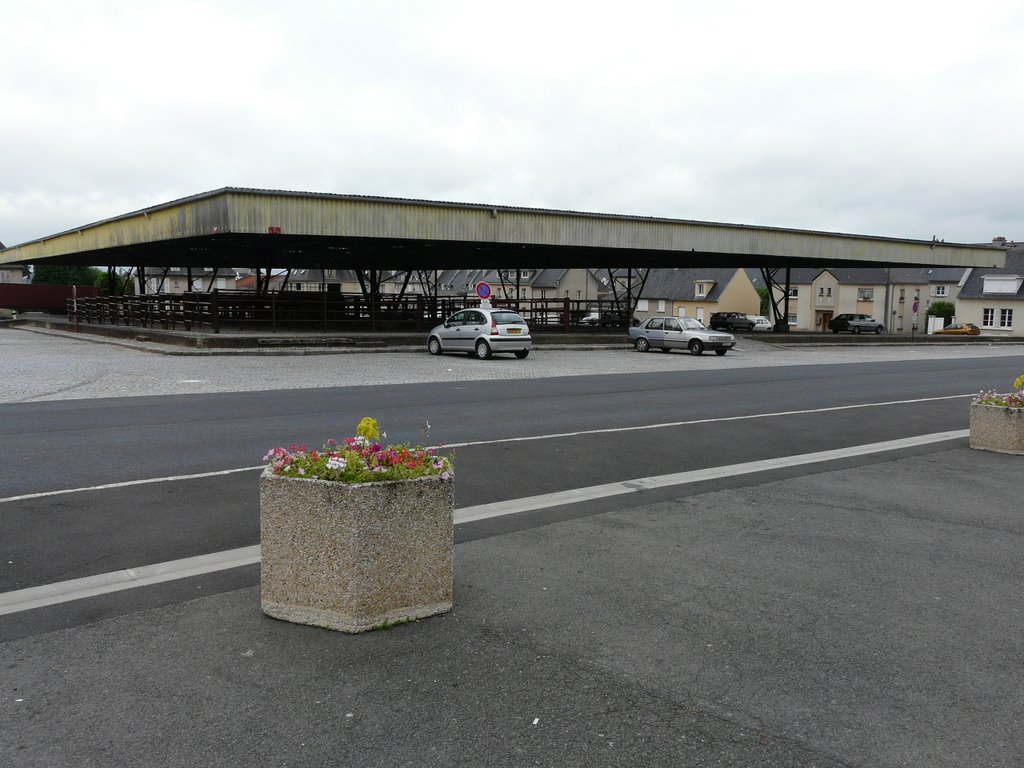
{"type": "Point", "coordinates": [46, 274]}
{"type": "Point", "coordinates": [943, 309]}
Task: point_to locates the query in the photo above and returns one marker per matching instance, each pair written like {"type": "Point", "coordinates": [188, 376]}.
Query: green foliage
{"type": "Point", "coordinates": [763, 293]}
{"type": "Point", "coordinates": [123, 285]}
{"type": "Point", "coordinates": [942, 309]}
{"type": "Point", "coordinates": [47, 274]}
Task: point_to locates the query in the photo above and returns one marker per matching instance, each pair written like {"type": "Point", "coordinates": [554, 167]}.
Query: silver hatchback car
{"type": "Point", "coordinates": [481, 332]}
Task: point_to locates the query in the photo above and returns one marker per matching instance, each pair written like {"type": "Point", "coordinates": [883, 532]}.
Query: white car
{"type": "Point", "coordinates": [481, 332]}
{"type": "Point", "coordinates": [761, 323]}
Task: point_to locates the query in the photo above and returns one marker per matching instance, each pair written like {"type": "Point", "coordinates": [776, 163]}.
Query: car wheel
{"type": "Point", "coordinates": [856, 329]}
{"type": "Point", "coordinates": [483, 350]}
{"type": "Point", "coordinates": [643, 345]}
{"type": "Point", "coordinates": [878, 330]}
{"type": "Point", "coordinates": [721, 352]}
{"type": "Point", "coordinates": [696, 347]}
{"type": "Point", "coordinates": [522, 353]}
{"type": "Point", "coordinates": [434, 345]}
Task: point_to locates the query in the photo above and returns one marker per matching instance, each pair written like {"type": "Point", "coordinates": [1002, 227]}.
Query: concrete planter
{"type": "Point", "coordinates": [355, 557]}
{"type": "Point", "coordinates": [996, 428]}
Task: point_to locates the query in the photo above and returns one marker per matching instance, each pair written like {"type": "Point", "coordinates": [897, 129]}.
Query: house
{"type": "Point", "coordinates": [13, 273]}
{"type": "Point", "coordinates": [898, 297]}
{"type": "Point", "coordinates": [697, 292]}
{"type": "Point", "coordinates": [993, 298]}
{"type": "Point", "coordinates": [533, 284]}
{"type": "Point", "coordinates": [176, 280]}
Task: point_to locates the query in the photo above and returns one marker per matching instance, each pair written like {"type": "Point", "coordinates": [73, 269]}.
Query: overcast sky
{"type": "Point", "coordinates": [889, 118]}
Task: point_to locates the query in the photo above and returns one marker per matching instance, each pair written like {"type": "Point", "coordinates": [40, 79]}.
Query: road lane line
{"type": "Point", "coordinates": [128, 483]}
{"type": "Point", "coordinates": [544, 501]}
{"type": "Point", "coordinates": [104, 583]}
{"type": "Point", "coordinates": [668, 424]}
{"type": "Point", "coordinates": [449, 446]}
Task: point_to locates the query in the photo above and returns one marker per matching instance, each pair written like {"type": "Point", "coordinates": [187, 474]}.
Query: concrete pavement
{"type": "Point", "coordinates": [847, 617]}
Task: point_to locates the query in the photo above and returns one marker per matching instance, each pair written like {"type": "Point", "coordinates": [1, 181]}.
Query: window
{"type": "Point", "coordinates": [988, 318]}
{"type": "Point", "coordinates": [865, 294]}
{"type": "Point", "coordinates": [656, 324]}
{"type": "Point", "coordinates": [701, 290]}
{"type": "Point", "coordinates": [661, 305]}
{"type": "Point", "coordinates": [794, 293]}
{"type": "Point", "coordinates": [642, 305]}
{"type": "Point", "coordinates": [1005, 318]}
{"type": "Point", "coordinates": [791, 318]}
{"type": "Point", "coordinates": [941, 290]}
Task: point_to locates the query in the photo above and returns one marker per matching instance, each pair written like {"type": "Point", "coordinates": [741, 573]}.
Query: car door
{"type": "Point", "coordinates": [673, 334]}
{"type": "Point", "coordinates": [452, 335]}
{"type": "Point", "coordinates": [656, 332]}
{"type": "Point", "coordinates": [475, 322]}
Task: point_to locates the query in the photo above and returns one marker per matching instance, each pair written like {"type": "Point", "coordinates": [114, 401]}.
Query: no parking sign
{"type": "Point", "coordinates": [483, 290]}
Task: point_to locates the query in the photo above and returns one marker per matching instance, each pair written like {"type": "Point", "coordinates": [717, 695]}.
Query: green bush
{"type": "Point", "coordinates": [942, 309]}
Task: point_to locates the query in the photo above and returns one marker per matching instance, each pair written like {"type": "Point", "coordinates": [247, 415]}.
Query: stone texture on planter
{"type": "Point", "coordinates": [995, 428]}
{"type": "Point", "coordinates": [355, 557]}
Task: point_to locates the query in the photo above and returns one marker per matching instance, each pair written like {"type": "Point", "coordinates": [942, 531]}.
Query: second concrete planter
{"type": "Point", "coordinates": [997, 428]}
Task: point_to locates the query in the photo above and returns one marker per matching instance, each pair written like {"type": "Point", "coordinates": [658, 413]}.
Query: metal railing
{"type": "Point", "coordinates": [324, 311]}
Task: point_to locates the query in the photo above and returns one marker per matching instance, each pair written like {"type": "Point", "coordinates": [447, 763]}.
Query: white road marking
{"type": "Point", "coordinates": [104, 583]}
{"type": "Point", "coordinates": [667, 424]}
{"type": "Point", "coordinates": [115, 581]}
{"type": "Point", "coordinates": [575, 495]}
{"type": "Point", "coordinates": [554, 436]}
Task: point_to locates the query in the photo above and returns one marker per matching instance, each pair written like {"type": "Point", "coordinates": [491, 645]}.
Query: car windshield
{"type": "Point", "coordinates": [692, 324]}
{"type": "Point", "coordinates": [507, 318]}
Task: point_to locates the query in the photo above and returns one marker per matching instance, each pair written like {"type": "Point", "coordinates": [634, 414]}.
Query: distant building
{"type": "Point", "coordinates": [898, 297]}
{"type": "Point", "coordinates": [176, 280]}
{"type": "Point", "coordinates": [993, 298]}
{"type": "Point", "coordinates": [698, 292]}
{"type": "Point", "coordinates": [13, 273]}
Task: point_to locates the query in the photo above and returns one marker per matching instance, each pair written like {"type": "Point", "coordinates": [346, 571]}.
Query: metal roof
{"type": "Point", "coordinates": [235, 226]}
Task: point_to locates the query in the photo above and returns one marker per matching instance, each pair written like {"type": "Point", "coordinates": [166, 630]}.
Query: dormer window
{"type": "Point", "coordinates": [701, 289]}
{"type": "Point", "coordinates": [1002, 284]}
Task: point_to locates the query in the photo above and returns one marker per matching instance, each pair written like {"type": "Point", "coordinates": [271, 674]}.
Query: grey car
{"type": "Point", "coordinates": [855, 323]}
{"type": "Point", "coordinates": [481, 332]}
{"type": "Point", "coordinates": [668, 333]}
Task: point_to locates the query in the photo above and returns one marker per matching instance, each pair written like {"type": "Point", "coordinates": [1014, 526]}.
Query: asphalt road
{"type": "Point", "coordinates": [594, 430]}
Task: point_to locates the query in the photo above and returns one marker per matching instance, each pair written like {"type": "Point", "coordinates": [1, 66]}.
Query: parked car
{"type": "Point", "coordinates": [668, 333]}
{"type": "Point", "coordinates": [592, 319]}
{"type": "Point", "coordinates": [481, 332]}
{"type": "Point", "coordinates": [761, 323]}
{"type": "Point", "coordinates": [730, 321]}
{"type": "Point", "coordinates": [855, 323]}
{"type": "Point", "coordinates": [961, 329]}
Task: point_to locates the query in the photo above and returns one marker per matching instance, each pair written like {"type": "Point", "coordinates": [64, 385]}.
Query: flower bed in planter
{"type": "Point", "coordinates": [355, 556]}
{"type": "Point", "coordinates": [997, 421]}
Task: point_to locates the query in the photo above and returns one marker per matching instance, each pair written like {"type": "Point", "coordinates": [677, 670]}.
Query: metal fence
{"type": "Point", "coordinates": [324, 311]}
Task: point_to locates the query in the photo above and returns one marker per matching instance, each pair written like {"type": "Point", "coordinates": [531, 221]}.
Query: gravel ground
{"type": "Point", "coordinates": [53, 365]}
